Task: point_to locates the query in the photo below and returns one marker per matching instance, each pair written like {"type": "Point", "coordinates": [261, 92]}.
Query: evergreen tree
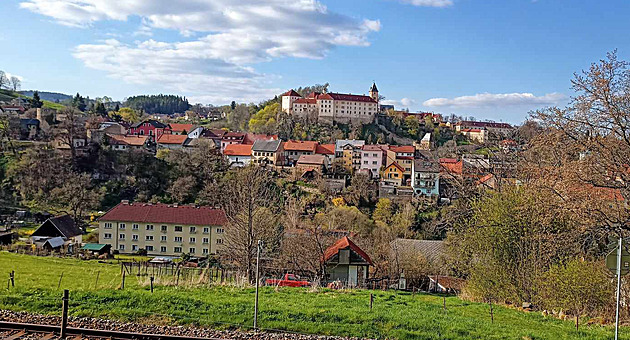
{"type": "Point", "coordinates": [36, 103]}
{"type": "Point", "coordinates": [117, 108]}
{"type": "Point", "coordinates": [100, 109]}
{"type": "Point", "coordinates": [233, 105]}
{"type": "Point", "coordinates": [79, 102]}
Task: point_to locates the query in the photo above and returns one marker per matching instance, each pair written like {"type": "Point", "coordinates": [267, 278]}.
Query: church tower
{"type": "Point", "coordinates": [374, 92]}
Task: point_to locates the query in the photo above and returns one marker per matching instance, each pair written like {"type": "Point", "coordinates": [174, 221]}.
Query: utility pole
{"type": "Point", "coordinates": [259, 248]}
{"type": "Point", "coordinates": [619, 250]}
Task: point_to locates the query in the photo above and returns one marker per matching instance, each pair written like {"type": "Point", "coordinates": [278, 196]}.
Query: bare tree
{"type": "Point", "coordinates": [16, 83]}
{"type": "Point", "coordinates": [4, 81]}
{"type": "Point", "coordinates": [250, 204]}
{"type": "Point", "coordinates": [71, 130]}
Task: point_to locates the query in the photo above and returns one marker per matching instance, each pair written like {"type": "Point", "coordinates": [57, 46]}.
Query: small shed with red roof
{"type": "Point", "coordinates": [347, 263]}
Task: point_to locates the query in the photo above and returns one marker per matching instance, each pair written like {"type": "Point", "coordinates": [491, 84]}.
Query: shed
{"type": "Point", "coordinates": [53, 243]}
{"type": "Point", "coordinates": [446, 284]}
{"type": "Point", "coordinates": [97, 248]}
{"type": "Point", "coordinates": [346, 262]}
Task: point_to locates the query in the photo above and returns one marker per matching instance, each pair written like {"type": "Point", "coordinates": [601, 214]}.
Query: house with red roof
{"type": "Point", "coordinates": [150, 127]}
{"type": "Point", "coordinates": [327, 150]}
{"type": "Point", "coordinates": [127, 142]}
{"type": "Point", "coordinates": [347, 263]}
{"type": "Point", "coordinates": [168, 141]}
{"type": "Point", "coordinates": [393, 175]}
{"type": "Point", "coordinates": [403, 155]}
{"type": "Point", "coordinates": [162, 229]}
{"type": "Point", "coordinates": [181, 129]}
{"type": "Point", "coordinates": [238, 155]}
{"type": "Point", "coordinates": [293, 149]}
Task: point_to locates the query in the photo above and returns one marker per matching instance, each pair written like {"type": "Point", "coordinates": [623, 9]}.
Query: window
{"type": "Point", "coordinates": [107, 236]}
{"type": "Point", "coordinates": [121, 236]}
{"type": "Point", "coordinates": [178, 249]}
{"type": "Point", "coordinates": [149, 237]}
{"type": "Point", "coordinates": [219, 241]}
{"type": "Point", "coordinates": [163, 249]}
{"type": "Point", "coordinates": [163, 239]}
{"type": "Point", "coordinates": [179, 228]}
{"type": "Point", "coordinates": [164, 228]}
{"type": "Point", "coordinates": [108, 225]}
{"type": "Point", "coordinates": [205, 251]}
{"type": "Point", "coordinates": [220, 230]}
{"type": "Point", "coordinates": [205, 240]}
{"type": "Point", "coordinates": [121, 247]}
{"type": "Point", "coordinates": [149, 248]}
{"type": "Point", "coordinates": [191, 250]}
{"type": "Point", "coordinates": [193, 240]}
{"type": "Point", "coordinates": [121, 226]}
{"type": "Point", "coordinates": [149, 226]}
{"type": "Point", "coordinates": [134, 247]}
{"type": "Point", "coordinates": [193, 230]}
{"type": "Point", "coordinates": [134, 237]}
{"type": "Point", "coordinates": [134, 226]}
{"type": "Point", "coordinates": [178, 239]}
{"type": "Point", "coordinates": [206, 230]}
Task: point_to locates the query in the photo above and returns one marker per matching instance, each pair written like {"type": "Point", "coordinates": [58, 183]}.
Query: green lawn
{"type": "Point", "coordinates": [395, 315]}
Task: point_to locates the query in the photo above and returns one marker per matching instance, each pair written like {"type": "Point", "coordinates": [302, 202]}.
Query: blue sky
{"type": "Point", "coordinates": [490, 59]}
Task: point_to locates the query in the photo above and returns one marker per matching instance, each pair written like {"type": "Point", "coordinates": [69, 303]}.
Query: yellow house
{"type": "Point", "coordinates": [393, 174]}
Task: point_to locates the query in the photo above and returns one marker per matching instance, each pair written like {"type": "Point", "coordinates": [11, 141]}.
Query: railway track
{"type": "Point", "coordinates": [16, 331]}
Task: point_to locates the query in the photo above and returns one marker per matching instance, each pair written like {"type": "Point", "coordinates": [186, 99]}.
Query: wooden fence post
{"type": "Point", "coordinates": [96, 284]}
{"type": "Point", "coordinates": [60, 278]}
{"type": "Point", "coordinates": [151, 284]}
{"type": "Point", "coordinates": [123, 281]}
{"type": "Point", "coordinates": [491, 313]}
{"type": "Point", "coordinates": [64, 314]}
{"type": "Point", "coordinates": [371, 300]}
{"type": "Point", "coordinates": [12, 278]}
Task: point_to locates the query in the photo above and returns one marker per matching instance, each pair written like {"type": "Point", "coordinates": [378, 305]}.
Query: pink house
{"type": "Point", "coordinates": [373, 158]}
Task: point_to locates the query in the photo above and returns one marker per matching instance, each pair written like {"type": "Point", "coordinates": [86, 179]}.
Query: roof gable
{"type": "Point", "coordinates": [345, 243]}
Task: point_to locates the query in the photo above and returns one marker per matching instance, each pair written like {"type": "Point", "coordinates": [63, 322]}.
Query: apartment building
{"type": "Point", "coordinates": [163, 229]}
{"type": "Point", "coordinates": [373, 158]}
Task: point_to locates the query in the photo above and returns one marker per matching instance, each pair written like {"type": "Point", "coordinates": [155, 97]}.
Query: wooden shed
{"type": "Point", "coordinates": [347, 263]}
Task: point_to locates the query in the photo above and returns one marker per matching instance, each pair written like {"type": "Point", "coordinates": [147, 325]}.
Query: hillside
{"type": "Point", "coordinates": [7, 96]}
{"type": "Point", "coordinates": [55, 97]}
{"type": "Point", "coordinates": [395, 315]}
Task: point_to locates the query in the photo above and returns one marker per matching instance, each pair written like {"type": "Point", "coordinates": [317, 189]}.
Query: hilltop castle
{"type": "Point", "coordinates": [333, 107]}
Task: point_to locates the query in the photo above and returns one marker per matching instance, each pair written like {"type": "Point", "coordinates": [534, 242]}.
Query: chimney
{"type": "Point", "coordinates": [124, 201]}
{"type": "Point", "coordinates": [39, 114]}
{"type": "Point", "coordinates": [174, 205]}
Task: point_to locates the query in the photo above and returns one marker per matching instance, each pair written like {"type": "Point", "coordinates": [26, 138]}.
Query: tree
{"type": "Point", "coordinates": [233, 105]}
{"type": "Point", "coordinates": [76, 196]}
{"type": "Point", "coordinates": [78, 102]}
{"type": "Point", "coordinates": [578, 287]}
{"type": "Point", "coordinates": [586, 146]}
{"type": "Point", "coordinates": [16, 83]}
{"type": "Point", "coordinates": [413, 125]}
{"type": "Point", "coordinates": [249, 200]}
{"type": "Point", "coordinates": [36, 101]}
{"type": "Point", "coordinates": [361, 191]}
{"type": "Point", "coordinates": [129, 115]}
{"type": "Point", "coordinates": [4, 81]}
{"type": "Point", "coordinates": [70, 130]}
{"type": "Point", "coordinates": [265, 120]}
{"type": "Point", "coordinates": [99, 109]}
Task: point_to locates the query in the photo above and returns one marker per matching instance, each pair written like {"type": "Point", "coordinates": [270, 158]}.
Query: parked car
{"type": "Point", "coordinates": [288, 280]}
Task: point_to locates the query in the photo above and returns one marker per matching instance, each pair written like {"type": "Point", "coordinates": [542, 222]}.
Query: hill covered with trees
{"type": "Point", "coordinates": [161, 103]}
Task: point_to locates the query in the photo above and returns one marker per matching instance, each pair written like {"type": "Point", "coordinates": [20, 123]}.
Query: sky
{"type": "Point", "coordinates": [492, 59]}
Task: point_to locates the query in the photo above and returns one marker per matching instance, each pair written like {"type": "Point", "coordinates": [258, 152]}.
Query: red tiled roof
{"type": "Point", "coordinates": [375, 147]}
{"type": "Point", "coordinates": [300, 145]}
{"type": "Point", "coordinates": [312, 159]}
{"type": "Point", "coordinates": [250, 138]}
{"type": "Point", "coordinates": [349, 97]}
{"type": "Point", "coordinates": [471, 130]}
{"type": "Point", "coordinates": [344, 243]}
{"type": "Point", "coordinates": [403, 149]}
{"type": "Point", "coordinates": [485, 124]}
{"type": "Point", "coordinates": [171, 139]}
{"type": "Point", "coordinates": [238, 150]}
{"type": "Point", "coordinates": [325, 149]}
{"type": "Point", "coordinates": [314, 95]}
{"type": "Point", "coordinates": [305, 101]}
{"type": "Point", "coordinates": [181, 127]}
{"type": "Point", "coordinates": [452, 165]}
{"type": "Point", "coordinates": [291, 93]}
{"type": "Point", "coordinates": [133, 140]}
{"type": "Point", "coordinates": [163, 213]}
{"type": "Point", "coordinates": [239, 135]}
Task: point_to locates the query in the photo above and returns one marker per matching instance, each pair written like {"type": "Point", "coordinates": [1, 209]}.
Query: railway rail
{"type": "Point", "coordinates": [16, 331]}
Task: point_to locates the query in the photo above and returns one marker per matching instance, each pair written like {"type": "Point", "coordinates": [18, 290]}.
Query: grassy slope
{"type": "Point", "coordinates": [395, 315]}
{"type": "Point", "coordinates": [6, 95]}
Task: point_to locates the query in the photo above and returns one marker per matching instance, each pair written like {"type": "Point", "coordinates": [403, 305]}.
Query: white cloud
{"type": "Point", "coordinates": [429, 3]}
{"type": "Point", "coordinates": [404, 102]}
{"type": "Point", "coordinates": [225, 37]}
{"type": "Point", "coordinates": [496, 100]}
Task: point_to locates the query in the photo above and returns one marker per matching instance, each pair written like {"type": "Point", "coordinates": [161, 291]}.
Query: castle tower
{"type": "Point", "coordinates": [374, 92]}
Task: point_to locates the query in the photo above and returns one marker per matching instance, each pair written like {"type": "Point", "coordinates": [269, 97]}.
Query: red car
{"type": "Point", "coordinates": [289, 280]}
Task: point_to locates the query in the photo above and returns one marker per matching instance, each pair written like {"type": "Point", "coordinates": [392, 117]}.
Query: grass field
{"type": "Point", "coordinates": [395, 314]}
